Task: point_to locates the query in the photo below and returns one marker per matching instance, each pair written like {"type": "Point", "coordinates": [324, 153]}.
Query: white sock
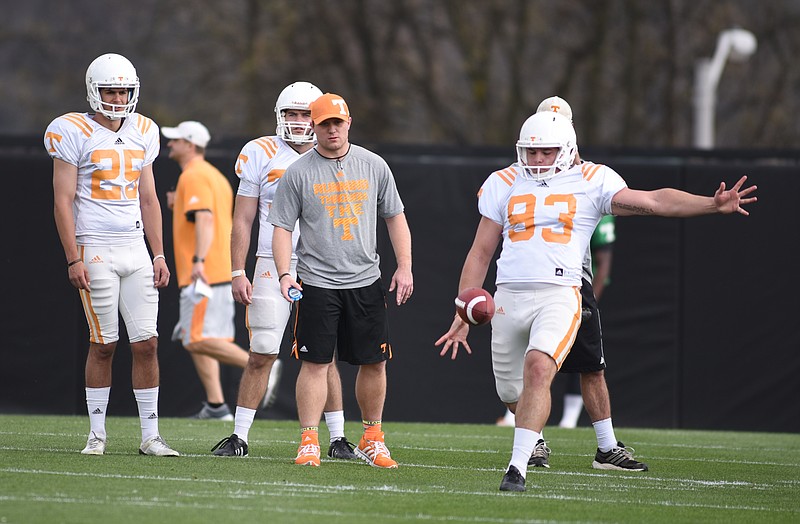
{"type": "Point", "coordinates": [604, 429]}
{"type": "Point", "coordinates": [335, 422]}
{"type": "Point", "coordinates": [97, 405]}
{"type": "Point", "coordinates": [573, 405]}
{"type": "Point", "coordinates": [524, 441]}
{"type": "Point", "coordinates": [242, 422]}
{"type": "Point", "coordinates": [147, 401]}
{"type": "Point", "coordinates": [509, 418]}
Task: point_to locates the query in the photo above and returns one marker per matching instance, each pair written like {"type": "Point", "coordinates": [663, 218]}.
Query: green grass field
{"type": "Point", "coordinates": [448, 473]}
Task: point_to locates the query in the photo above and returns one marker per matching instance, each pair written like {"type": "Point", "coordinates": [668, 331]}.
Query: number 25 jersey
{"type": "Point", "coordinates": [547, 225]}
{"type": "Point", "coordinates": [106, 206]}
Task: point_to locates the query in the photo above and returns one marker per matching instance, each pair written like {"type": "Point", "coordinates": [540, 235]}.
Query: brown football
{"type": "Point", "coordinates": [475, 306]}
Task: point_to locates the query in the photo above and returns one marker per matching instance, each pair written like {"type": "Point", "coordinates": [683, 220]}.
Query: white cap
{"type": "Point", "coordinates": [557, 104]}
{"type": "Point", "coordinates": [191, 131]}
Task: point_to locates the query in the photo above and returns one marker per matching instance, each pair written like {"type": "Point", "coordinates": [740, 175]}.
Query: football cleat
{"type": "Point", "coordinates": [231, 446]}
{"type": "Point", "coordinates": [94, 446]}
{"type": "Point", "coordinates": [375, 453]}
{"type": "Point", "coordinates": [308, 450]}
{"type": "Point", "coordinates": [540, 456]}
{"type": "Point", "coordinates": [156, 447]}
{"type": "Point", "coordinates": [222, 412]}
{"type": "Point", "coordinates": [341, 448]}
{"type": "Point", "coordinates": [512, 480]}
{"type": "Point", "coordinates": [618, 458]}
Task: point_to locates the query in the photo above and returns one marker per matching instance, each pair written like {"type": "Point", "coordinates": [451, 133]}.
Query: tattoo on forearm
{"type": "Point", "coordinates": [638, 210]}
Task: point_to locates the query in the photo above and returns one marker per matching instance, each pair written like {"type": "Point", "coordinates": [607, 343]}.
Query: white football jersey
{"type": "Point", "coordinates": [106, 205]}
{"type": "Point", "coordinates": [547, 225]}
{"type": "Point", "coordinates": [260, 166]}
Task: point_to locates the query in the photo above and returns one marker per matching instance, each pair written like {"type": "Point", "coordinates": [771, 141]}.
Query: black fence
{"type": "Point", "coordinates": [698, 329]}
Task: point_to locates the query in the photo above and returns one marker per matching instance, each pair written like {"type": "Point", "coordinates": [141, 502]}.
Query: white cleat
{"type": "Point", "coordinates": [94, 446]}
{"type": "Point", "coordinates": [157, 447]}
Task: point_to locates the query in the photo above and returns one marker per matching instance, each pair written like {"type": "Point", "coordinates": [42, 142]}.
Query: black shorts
{"type": "Point", "coordinates": [587, 352]}
{"type": "Point", "coordinates": [353, 322]}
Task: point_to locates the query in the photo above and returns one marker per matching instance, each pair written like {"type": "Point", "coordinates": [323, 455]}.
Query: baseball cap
{"type": "Point", "coordinates": [328, 106]}
{"type": "Point", "coordinates": [557, 104]}
{"type": "Point", "coordinates": [194, 132]}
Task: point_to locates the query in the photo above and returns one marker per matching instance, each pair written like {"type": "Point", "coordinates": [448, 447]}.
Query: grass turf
{"type": "Point", "coordinates": [448, 473]}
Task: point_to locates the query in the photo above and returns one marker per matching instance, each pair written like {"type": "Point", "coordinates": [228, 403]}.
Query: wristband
{"type": "Point", "coordinates": [237, 273]}
{"type": "Point", "coordinates": [284, 275]}
{"type": "Point", "coordinates": [70, 264]}
{"type": "Point", "coordinates": [159, 256]}
{"type": "Point", "coordinates": [196, 259]}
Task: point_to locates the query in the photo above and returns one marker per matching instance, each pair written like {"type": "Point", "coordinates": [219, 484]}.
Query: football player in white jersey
{"type": "Point", "coordinates": [105, 205]}
{"type": "Point", "coordinates": [544, 209]}
{"type": "Point", "coordinates": [586, 362]}
{"type": "Point", "coordinates": [260, 166]}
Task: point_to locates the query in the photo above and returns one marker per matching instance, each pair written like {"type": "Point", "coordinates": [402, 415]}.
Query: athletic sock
{"type": "Point", "coordinates": [524, 442]}
{"type": "Point", "coordinates": [242, 422]}
{"type": "Point", "coordinates": [97, 405]}
{"type": "Point", "coordinates": [372, 429]}
{"type": "Point", "coordinates": [147, 401]}
{"type": "Point", "coordinates": [335, 422]}
{"type": "Point", "coordinates": [604, 429]}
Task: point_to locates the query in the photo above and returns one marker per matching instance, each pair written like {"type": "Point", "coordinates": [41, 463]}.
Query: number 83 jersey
{"type": "Point", "coordinates": [547, 225]}
{"type": "Point", "coordinates": [106, 205]}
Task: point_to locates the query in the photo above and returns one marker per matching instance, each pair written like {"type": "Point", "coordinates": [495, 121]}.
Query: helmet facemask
{"type": "Point", "coordinates": [294, 132]}
{"type": "Point", "coordinates": [112, 71]}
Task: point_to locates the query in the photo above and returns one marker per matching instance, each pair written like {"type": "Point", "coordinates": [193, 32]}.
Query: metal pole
{"type": "Point", "coordinates": [704, 102]}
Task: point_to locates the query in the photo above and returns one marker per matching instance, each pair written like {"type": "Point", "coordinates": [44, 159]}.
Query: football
{"type": "Point", "coordinates": [475, 306]}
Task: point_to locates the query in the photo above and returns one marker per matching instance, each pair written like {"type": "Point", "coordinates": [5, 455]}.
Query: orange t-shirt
{"type": "Point", "coordinates": [202, 187]}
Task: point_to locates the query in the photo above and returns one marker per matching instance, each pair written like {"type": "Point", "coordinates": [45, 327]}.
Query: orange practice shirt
{"type": "Point", "coordinates": [202, 186]}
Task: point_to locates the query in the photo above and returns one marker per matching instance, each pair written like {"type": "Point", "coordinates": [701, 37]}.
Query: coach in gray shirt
{"type": "Point", "coordinates": [336, 193]}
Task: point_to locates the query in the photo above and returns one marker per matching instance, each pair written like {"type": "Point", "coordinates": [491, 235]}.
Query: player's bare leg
{"type": "Point", "coordinates": [340, 447]}
{"type": "Point", "coordinates": [532, 411]}
{"type": "Point", "coordinates": [98, 365]}
{"type": "Point", "coordinates": [595, 395]}
{"type": "Point", "coordinates": [221, 350]}
{"type": "Point", "coordinates": [254, 380]}
{"type": "Point", "coordinates": [208, 371]}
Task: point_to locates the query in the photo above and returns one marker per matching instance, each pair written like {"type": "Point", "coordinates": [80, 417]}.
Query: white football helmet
{"type": "Point", "coordinates": [298, 95]}
{"type": "Point", "coordinates": [547, 129]}
{"type": "Point", "coordinates": [112, 70]}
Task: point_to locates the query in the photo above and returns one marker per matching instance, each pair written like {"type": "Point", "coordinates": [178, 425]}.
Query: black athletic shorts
{"type": "Point", "coordinates": [587, 352]}
{"type": "Point", "coordinates": [353, 322]}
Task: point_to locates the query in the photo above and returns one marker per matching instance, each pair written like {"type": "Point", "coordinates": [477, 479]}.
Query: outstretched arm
{"type": "Point", "coordinates": [675, 203]}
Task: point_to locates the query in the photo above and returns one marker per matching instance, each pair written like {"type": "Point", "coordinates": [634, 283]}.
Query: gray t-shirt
{"type": "Point", "coordinates": [337, 203]}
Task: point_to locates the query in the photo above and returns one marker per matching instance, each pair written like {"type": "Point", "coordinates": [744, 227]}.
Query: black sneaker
{"type": "Point", "coordinates": [231, 446]}
{"type": "Point", "coordinates": [541, 454]}
{"type": "Point", "coordinates": [513, 480]}
{"type": "Point", "coordinates": [619, 458]}
{"type": "Point", "coordinates": [341, 448]}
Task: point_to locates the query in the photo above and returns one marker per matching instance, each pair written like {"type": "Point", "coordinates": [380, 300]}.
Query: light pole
{"type": "Point", "coordinates": [738, 44]}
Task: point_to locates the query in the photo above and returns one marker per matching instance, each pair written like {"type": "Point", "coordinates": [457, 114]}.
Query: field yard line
{"type": "Point", "coordinates": [304, 512]}
{"type": "Point", "coordinates": [292, 487]}
{"type": "Point", "coordinates": [444, 450]}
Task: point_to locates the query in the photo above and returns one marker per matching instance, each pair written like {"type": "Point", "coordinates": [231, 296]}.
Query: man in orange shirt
{"type": "Point", "coordinates": [203, 210]}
